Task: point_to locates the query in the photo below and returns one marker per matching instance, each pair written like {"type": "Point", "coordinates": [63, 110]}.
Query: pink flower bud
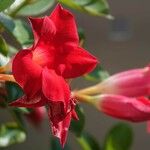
{"type": "Point", "coordinates": [131, 109]}
{"type": "Point", "coordinates": [133, 83]}
{"type": "Point", "coordinates": [37, 115]}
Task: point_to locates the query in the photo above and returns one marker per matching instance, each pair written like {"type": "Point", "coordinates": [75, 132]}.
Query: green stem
{"type": "Point", "coordinates": [15, 117]}
{"type": "Point", "coordinates": [84, 98]}
{"type": "Point", "coordinates": [83, 143]}
{"type": "Point", "coordinates": [92, 90]}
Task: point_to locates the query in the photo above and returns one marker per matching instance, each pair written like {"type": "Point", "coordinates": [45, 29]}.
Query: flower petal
{"type": "Point", "coordinates": [74, 115]}
{"type": "Point", "coordinates": [43, 28]}
{"type": "Point", "coordinates": [132, 83]}
{"type": "Point", "coordinates": [60, 121]}
{"type": "Point", "coordinates": [48, 29]}
{"type": "Point", "coordinates": [60, 130]}
{"type": "Point", "coordinates": [76, 63]}
{"type": "Point", "coordinates": [56, 112]}
{"type": "Point", "coordinates": [65, 25]}
{"type": "Point", "coordinates": [37, 101]}
{"type": "Point", "coordinates": [44, 54]}
{"type": "Point", "coordinates": [55, 87]}
{"type": "Point", "coordinates": [122, 107]}
{"type": "Point", "coordinates": [26, 72]}
{"type": "Point", "coordinates": [36, 24]}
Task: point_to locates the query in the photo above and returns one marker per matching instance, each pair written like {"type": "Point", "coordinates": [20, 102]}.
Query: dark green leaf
{"type": "Point", "coordinates": [93, 7]}
{"type": "Point", "coordinates": [18, 116]}
{"type": "Point", "coordinates": [18, 29]}
{"type": "Point", "coordinates": [99, 74]}
{"type": "Point", "coordinates": [14, 91]}
{"type": "Point", "coordinates": [10, 134]}
{"type": "Point", "coordinates": [81, 36]}
{"type": "Point", "coordinates": [88, 142]}
{"type": "Point", "coordinates": [3, 47]}
{"type": "Point", "coordinates": [55, 144]}
{"type": "Point", "coordinates": [119, 138]}
{"type": "Point", "coordinates": [78, 126]}
{"type": "Point", "coordinates": [5, 4]}
{"type": "Point", "coordinates": [2, 101]}
{"type": "Point", "coordinates": [36, 8]}
{"type": "Point", "coordinates": [7, 22]}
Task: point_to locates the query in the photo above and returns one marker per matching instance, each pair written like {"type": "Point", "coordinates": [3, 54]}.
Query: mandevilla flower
{"type": "Point", "coordinates": [132, 83]}
{"type": "Point", "coordinates": [42, 70]}
{"type": "Point", "coordinates": [122, 107]}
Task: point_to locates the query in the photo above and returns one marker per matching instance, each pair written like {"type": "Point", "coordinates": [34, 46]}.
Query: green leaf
{"type": "Point", "coordinates": [3, 47]}
{"type": "Point", "coordinates": [11, 134]}
{"type": "Point", "coordinates": [18, 116]}
{"type": "Point", "coordinates": [23, 33]}
{"type": "Point", "coordinates": [93, 7]}
{"type": "Point", "coordinates": [119, 138]}
{"type": "Point", "coordinates": [5, 4]}
{"type": "Point", "coordinates": [99, 74]}
{"type": "Point", "coordinates": [22, 110]}
{"type": "Point", "coordinates": [14, 91]}
{"type": "Point", "coordinates": [88, 142]}
{"type": "Point", "coordinates": [18, 29]}
{"type": "Point", "coordinates": [36, 8]}
{"type": "Point", "coordinates": [7, 22]}
{"type": "Point", "coordinates": [2, 101]}
{"type": "Point", "coordinates": [78, 126]}
{"type": "Point", "coordinates": [55, 144]}
{"type": "Point", "coordinates": [85, 2]}
{"type": "Point", "coordinates": [12, 50]}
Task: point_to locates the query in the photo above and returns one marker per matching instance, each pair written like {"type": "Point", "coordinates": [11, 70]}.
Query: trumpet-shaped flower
{"type": "Point", "coordinates": [132, 83]}
{"type": "Point", "coordinates": [42, 70]}
{"type": "Point", "coordinates": [122, 107]}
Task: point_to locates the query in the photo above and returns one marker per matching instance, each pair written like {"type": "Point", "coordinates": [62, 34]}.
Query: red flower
{"type": "Point", "coordinates": [122, 107]}
{"type": "Point", "coordinates": [42, 70]}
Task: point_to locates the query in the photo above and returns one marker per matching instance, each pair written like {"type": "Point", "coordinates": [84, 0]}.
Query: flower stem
{"type": "Point", "coordinates": [92, 90]}
{"type": "Point", "coordinates": [6, 77]}
{"type": "Point", "coordinates": [16, 116]}
{"type": "Point", "coordinates": [83, 143]}
{"type": "Point", "coordinates": [6, 68]}
{"type": "Point", "coordinates": [84, 98]}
